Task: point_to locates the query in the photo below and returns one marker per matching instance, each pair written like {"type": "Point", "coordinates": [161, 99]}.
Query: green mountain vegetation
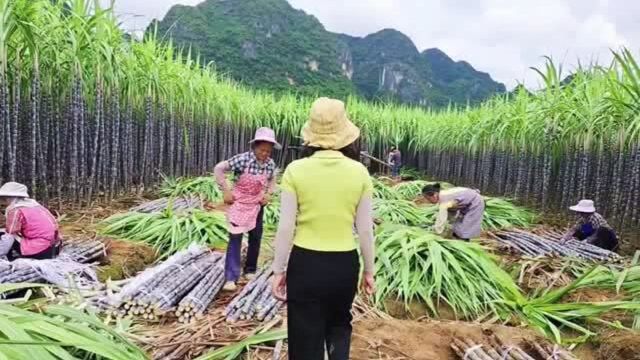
{"type": "Point", "coordinates": [267, 44]}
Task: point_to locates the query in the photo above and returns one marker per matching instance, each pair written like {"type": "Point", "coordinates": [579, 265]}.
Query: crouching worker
{"type": "Point", "coordinates": [592, 227]}
{"type": "Point", "coordinates": [254, 182]}
{"type": "Point", "coordinates": [468, 205]}
{"type": "Point", "coordinates": [31, 230]}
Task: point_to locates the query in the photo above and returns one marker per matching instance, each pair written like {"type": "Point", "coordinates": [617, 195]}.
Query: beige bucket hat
{"type": "Point", "coordinates": [328, 126]}
{"type": "Point", "coordinates": [14, 189]}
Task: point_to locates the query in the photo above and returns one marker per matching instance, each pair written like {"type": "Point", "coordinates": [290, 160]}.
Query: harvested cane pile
{"type": "Point", "coordinates": [59, 271]}
{"type": "Point", "coordinates": [157, 291]}
{"type": "Point", "coordinates": [467, 349]}
{"type": "Point", "coordinates": [549, 245]}
{"type": "Point", "coordinates": [175, 204]}
{"type": "Point", "coordinates": [194, 305]}
{"type": "Point", "coordinates": [255, 301]}
{"type": "Point", "coordinates": [83, 251]}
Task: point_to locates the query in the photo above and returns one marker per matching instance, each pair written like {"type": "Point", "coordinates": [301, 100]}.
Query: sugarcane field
{"type": "Point", "coordinates": [154, 208]}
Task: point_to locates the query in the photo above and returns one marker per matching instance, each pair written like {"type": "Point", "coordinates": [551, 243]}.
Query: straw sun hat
{"type": "Point", "coordinates": [328, 126]}
{"type": "Point", "coordinates": [14, 189]}
{"type": "Point", "coordinates": [584, 206]}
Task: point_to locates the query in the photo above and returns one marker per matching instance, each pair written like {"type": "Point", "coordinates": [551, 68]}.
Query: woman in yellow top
{"type": "Point", "coordinates": [468, 205]}
{"type": "Point", "coordinates": [323, 195]}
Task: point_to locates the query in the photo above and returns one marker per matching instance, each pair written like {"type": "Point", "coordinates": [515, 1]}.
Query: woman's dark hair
{"type": "Point", "coordinates": [431, 189]}
{"type": "Point", "coordinates": [351, 151]}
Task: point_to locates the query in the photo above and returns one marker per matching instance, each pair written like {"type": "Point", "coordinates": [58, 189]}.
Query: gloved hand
{"type": "Point", "coordinates": [439, 228]}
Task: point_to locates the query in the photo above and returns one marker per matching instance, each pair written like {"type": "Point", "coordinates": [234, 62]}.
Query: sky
{"type": "Point", "coordinates": [502, 37]}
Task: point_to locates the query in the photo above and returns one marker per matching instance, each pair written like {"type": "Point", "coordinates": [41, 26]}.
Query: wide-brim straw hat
{"type": "Point", "coordinates": [328, 126]}
{"type": "Point", "coordinates": [14, 189]}
{"type": "Point", "coordinates": [584, 206]}
{"type": "Point", "coordinates": [267, 135]}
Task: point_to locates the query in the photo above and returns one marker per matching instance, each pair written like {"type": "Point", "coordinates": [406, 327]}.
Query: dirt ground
{"type": "Point", "coordinates": [402, 339]}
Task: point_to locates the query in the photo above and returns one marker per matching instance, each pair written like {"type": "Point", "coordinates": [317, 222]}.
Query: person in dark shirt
{"type": "Point", "coordinates": [591, 227]}
{"type": "Point", "coordinates": [395, 160]}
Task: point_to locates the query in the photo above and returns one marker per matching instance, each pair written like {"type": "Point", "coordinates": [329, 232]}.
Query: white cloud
{"type": "Point", "coordinates": [501, 37]}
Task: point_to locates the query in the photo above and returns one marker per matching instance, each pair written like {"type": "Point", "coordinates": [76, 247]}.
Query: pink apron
{"type": "Point", "coordinates": [248, 192]}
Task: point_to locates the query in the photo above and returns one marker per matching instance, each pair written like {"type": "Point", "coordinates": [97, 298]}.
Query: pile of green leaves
{"type": "Point", "coordinates": [382, 191]}
{"type": "Point", "coordinates": [204, 187]}
{"type": "Point", "coordinates": [411, 190]}
{"type": "Point", "coordinates": [503, 214]}
{"type": "Point", "coordinates": [401, 212]}
{"type": "Point", "coordinates": [549, 316]}
{"type": "Point", "coordinates": [54, 332]}
{"type": "Point", "coordinates": [272, 211]}
{"type": "Point", "coordinates": [168, 232]}
{"type": "Point", "coordinates": [233, 351]}
{"type": "Point", "coordinates": [413, 264]}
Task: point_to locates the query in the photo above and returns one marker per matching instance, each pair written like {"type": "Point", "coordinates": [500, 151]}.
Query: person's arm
{"type": "Point", "coordinates": [364, 227]}
{"type": "Point", "coordinates": [443, 215]}
{"type": "Point", "coordinates": [219, 172]}
{"type": "Point", "coordinates": [272, 183]}
{"type": "Point", "coordinates": [571, 231]}
{"type": "Point", "coordinates": [14, 222]}
{"type": "Point", "coordinates": [286, 230]}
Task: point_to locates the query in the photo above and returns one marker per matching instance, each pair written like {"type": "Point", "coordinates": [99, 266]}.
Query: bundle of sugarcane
{"type": "Point", "coordinates": [193, 306]}
{"type": "Point", "coordinates": [121, 303]}
{"type": "Point", "coordinates": [255, 301]}
{"type": "Point", "coordinates": [168, 232]}
{"type": "Point", "coordinates": [83, 251]}
{"type": "Point", "coordinates": [168, 293]}
{"type": "Point", "coordinates": [533, 245]}
{"type": "Point", "coordinates": [16, 272]}
{"type": "Point", "coordinates": [64, 273]}
{"type": "Point", "coordinates": [496, 349]}
{"type": "Point", "coordinates": [176, 204]}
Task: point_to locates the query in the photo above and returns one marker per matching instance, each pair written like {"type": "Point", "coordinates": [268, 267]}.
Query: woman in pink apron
{"type": "Point", "coordinates": [254, 182]}
{"type": "Point", "coordinates": [31, 230]}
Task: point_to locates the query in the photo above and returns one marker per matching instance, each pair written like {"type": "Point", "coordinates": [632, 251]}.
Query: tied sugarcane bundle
{"type": "Point", "coordinates": [534, 245]}
{"type": "Point", "coordinates": [255, 301]}
{"type": "Point", "coordinates": [83, 251]}
{"type": "Point", "coordinates": [175, 204]}
{"type": "Point", "coordinates": [204, 187]}
{"type": "Point", "coordinates": [67, 275]}
{"type": "Point", "coordinates": [168, 232]}
{"type": "Point", "coordinates": [168, 294]}
{"type": "Point", "coordinates": [193, 306]}
{"type": "Point", "coordinates": [142, 284]}
{"type": "Point", "coordinates": [158, 297]}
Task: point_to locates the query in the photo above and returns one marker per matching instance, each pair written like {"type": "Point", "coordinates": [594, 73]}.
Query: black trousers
{"type": "Point", "coordinates": [321, 287]}
{"type": "Point", "coordinates": [49, 253]}
{"type": "Point", "coordinates": [605, 238]}
{"type": "Point", "coordinates": [232, 263]}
